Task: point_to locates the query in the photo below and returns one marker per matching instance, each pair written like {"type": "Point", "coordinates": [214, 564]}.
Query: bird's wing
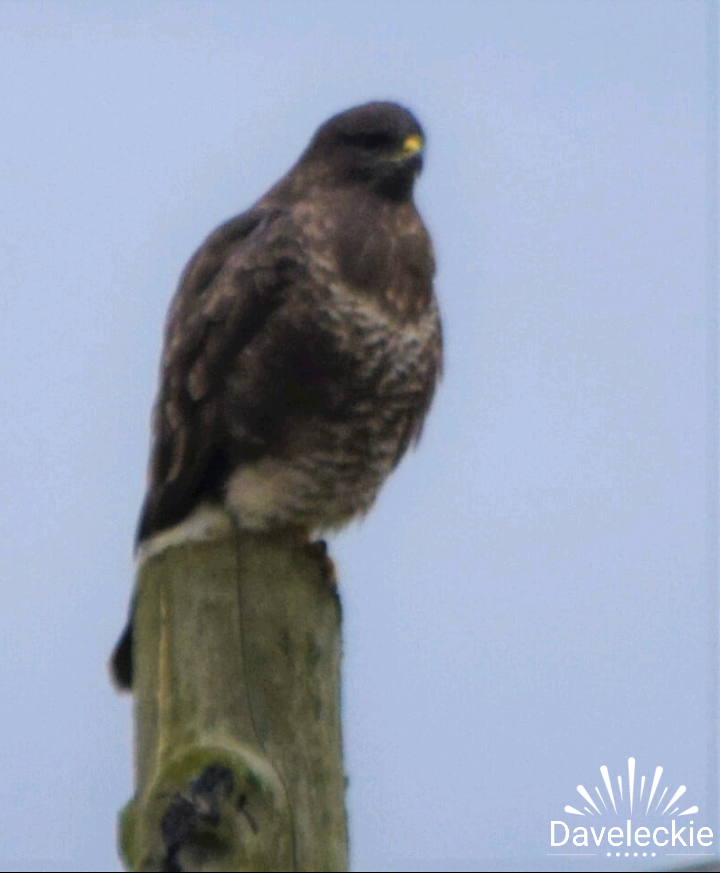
{"type": "Point", "coordinates": [229, 289]}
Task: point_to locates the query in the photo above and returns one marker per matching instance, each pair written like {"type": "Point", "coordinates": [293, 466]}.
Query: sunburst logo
{"type": "Point", "coordinates": [630, 793]}
{"type": "Point", "coordinates": [663, 830]}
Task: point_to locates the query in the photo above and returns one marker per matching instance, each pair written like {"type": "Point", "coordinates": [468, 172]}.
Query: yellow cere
{"type": "Point", "coordinates": [412, 144]}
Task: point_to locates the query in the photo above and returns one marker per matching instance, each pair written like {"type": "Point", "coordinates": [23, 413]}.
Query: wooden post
{"type": "Point", "coordinates": [237, 710]}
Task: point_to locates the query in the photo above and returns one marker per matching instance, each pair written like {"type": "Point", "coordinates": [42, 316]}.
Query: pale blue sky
{"type": "Point", "coordinates": [530, 598]}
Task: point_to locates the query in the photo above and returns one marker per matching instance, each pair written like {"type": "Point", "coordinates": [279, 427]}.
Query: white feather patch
{"type": "Point", "coordinates": [204, 523]}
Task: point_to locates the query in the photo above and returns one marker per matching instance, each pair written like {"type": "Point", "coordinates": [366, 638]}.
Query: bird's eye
{"type": "Point", "coordinates": [370, 141]}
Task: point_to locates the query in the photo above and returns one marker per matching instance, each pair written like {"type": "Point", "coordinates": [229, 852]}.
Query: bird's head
{"type": "Point", "coordinates": [376, 145]}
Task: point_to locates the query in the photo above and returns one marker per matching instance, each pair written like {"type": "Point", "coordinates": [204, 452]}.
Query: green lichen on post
{"type": "Point", "coordinates": [237, 710]}
{"type": "Point", "coordinates": [196, 815]}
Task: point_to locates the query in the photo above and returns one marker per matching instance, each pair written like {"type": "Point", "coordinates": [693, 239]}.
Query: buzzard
{"type": "Point", "coordinates": [303, 345]}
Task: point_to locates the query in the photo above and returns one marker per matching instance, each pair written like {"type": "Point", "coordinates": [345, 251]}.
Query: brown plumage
{"type": "Point", "coordinates": [303, 345]}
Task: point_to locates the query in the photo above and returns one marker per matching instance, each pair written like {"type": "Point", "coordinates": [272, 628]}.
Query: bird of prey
{"type": "Point", "coordinates": [303, 345]}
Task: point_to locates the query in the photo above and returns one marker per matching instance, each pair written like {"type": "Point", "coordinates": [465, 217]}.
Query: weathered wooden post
{"type": "Point", "coordinates": [237, 710]}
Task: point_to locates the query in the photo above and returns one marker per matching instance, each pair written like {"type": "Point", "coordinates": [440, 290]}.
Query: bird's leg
{"type": "Point", "coordinates": [319, 551]}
